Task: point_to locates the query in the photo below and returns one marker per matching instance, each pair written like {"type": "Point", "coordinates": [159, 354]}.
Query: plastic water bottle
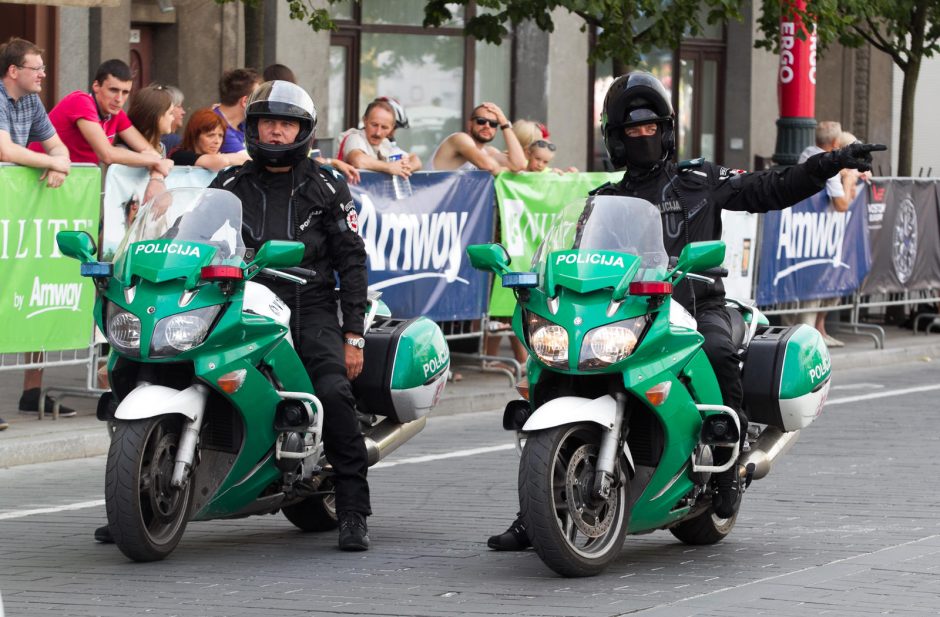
{"type": "Point", "coordinates": [400, 184]}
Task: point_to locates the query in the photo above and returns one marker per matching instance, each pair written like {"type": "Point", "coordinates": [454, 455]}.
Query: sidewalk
{"type": "Point", "coordinates": [29, 440]}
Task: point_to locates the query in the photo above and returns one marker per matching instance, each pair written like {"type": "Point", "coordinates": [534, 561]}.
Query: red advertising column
{"type": "Point", "coordinates": [796, 84]}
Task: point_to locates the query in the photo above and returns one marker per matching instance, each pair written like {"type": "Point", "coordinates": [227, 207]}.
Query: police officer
{"type": "Point", "coordinates": [286, 195]}
{"type": "Point", "coordinates": [640, 135]}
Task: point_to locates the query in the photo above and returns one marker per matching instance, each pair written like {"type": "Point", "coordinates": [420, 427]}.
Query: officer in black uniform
{"type": "Point", "coordinates": [286, 195]}
{"type": "Point", "coordinates": [639, 134]}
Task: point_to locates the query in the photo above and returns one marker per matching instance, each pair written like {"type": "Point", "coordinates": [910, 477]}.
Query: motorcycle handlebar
{"type": "Point", "coordinates": [719, 272]}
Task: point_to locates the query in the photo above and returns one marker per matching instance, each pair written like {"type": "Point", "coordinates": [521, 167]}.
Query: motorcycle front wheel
{"type": "Point", "coordinates": [574, 534]}
{"type": "Point", "coordinates": [146, 515]}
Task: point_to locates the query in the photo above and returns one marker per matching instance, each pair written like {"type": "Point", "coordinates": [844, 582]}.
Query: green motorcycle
{"type": "Point", "coordinates": [214, 414]}
{"type": "Point", "coordinates": [622, 419]}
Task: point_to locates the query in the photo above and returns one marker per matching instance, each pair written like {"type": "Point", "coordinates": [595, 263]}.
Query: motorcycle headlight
{"type": "Point", "coordinates": [123, 330]}
{"type": "Point", "coordinates": [610, 344]}
{"type": "Point", "coordinates": [548, 341]}
{"type": "Point", "coordinates": [182, 332]}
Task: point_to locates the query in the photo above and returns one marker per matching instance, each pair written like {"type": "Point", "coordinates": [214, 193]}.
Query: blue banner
{"type": "Point", "coordinates": [417, 245]}
{"type": "Point", "coordinates": [810, 251]}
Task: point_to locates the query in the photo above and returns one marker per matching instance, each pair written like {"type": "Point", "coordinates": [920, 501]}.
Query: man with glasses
{"type": "Point", "coordinates": [23, 119]}
{"type": "Point", "coordinates": [471, 150]}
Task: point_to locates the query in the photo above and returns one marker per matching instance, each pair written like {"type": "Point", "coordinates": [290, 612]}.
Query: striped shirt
{"type": "Point", "coordinates": [25, 119]}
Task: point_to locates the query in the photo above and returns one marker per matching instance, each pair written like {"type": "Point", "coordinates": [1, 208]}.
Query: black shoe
{"type": "Point", "coordinates": [103, 535]}
{"type": "Point", "coordinates": [29, 402]}
{"type": "Point", "coordinates": [729, 493]}
{"type": "Point", "coordinates": [513, 539]}
{"type": "Point", "coordinates": [353, 532]}
{"type": "Point", "coordinates": [3, 425]}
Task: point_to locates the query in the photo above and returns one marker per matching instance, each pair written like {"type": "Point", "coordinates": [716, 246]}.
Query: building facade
{"type": "Point", "coordinates": [724, 90]}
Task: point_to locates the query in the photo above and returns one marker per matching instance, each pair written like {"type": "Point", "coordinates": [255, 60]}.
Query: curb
{"type": "Point", "coordinates": [880, 357]}
{"type": "Point", "coordinates": [82, 443]}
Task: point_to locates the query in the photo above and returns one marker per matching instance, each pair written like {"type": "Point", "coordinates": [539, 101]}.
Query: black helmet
{"type": "Point", "coordinates": [636, 98]}
{"type": "Point", "coordinates": [284, 100]}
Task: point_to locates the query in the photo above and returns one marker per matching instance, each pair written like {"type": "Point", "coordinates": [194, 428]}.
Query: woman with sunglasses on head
{"type": "Point", "coordinates": [202, 141]}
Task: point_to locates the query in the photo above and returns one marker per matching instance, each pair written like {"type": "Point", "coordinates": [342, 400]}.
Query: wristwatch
{"type": "Point", "coordinates": [359, 343]}
{"type": "Point", "coordinates": [508, 125]}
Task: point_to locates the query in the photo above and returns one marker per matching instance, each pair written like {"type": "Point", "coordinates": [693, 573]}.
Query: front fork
{"type": "Point", "coordinates": [186, 451]}
{"type": "Point", "coordinates": [610, 445]}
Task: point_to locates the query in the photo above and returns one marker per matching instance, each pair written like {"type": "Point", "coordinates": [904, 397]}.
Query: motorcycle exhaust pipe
{"type": "Point", "coordinates": [387, 435]}
{"type": "Point", "coordinates": [771, 445]}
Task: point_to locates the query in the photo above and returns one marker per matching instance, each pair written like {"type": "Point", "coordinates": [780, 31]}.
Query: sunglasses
{"type": "Point", "coordinates": [541, 143]}
{"type": "Point", "coordinates": [484, 121]}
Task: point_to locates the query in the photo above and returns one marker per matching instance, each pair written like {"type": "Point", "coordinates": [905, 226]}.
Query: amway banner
{"type": "Point", "coordinates": [417, 245]}
{"type": "Point", "coordinates": [46, 304]}
{"type": "Point", "coordinates": [810, 251]}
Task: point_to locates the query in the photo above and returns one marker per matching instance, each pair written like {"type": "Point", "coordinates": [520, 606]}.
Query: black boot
{"type": "Point", "coordinates": [728, 495]}
{"type": "Point", "coordinates": [353, 532]}
{"type": "Point", "coordinates": [103, 535]}
{"type": "Point", "coordinates": [513, 539]}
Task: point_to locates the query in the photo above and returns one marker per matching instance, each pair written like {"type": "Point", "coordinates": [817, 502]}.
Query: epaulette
{"type": "Point", "coordinates": [334, 172]}
{"type": "Point", "coordinates": [691, 164]}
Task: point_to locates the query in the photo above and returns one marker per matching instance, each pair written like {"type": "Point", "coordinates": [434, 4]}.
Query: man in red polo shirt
{"type": "Point", "coordinates": [88, 122]}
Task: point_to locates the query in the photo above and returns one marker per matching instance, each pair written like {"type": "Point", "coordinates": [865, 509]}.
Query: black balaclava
{"type": "Point", "coordinates": [644, 153]}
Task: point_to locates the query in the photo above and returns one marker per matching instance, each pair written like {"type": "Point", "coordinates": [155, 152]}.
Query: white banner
{"type": "Point", "coordinates": [739, 232]}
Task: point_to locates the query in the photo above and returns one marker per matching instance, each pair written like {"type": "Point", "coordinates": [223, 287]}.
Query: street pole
{"type": "Point", "coordinates": [796, 85]}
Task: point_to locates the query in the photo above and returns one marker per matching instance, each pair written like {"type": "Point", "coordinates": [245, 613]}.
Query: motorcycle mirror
{"type": "Point", "coordinates": [492, 257]}
{"type": "Point", "coordinates": [279, 254]}
{"type": "Point", "coordinates": [698, 256]}
{"type": "Point", "coordinates": [77, 245]}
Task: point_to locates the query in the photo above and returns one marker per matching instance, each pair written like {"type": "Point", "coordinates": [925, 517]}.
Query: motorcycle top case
{"type": "Point", "coordinates": [786, 376]}
{"type": "Point", "coordinates": [404, 370]}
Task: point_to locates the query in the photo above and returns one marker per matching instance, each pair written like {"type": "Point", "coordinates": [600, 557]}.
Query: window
{"type": "Point", "coordinates": [438, 74]}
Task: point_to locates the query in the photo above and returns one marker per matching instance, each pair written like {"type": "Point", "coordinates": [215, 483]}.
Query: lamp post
{"type": "Point", "coordinates": [796, 84]}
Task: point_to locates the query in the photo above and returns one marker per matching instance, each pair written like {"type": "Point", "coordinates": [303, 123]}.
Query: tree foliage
{"type": "Point", "coordinates": [907, 30]}
{"type": "Point", "coordinates": [625, 30]}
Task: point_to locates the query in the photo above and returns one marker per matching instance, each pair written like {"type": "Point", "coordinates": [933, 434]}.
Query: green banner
{"type": "Point", "coordinates": [528, 205]}
{"type": "Point", "coordinates": [45, 305]}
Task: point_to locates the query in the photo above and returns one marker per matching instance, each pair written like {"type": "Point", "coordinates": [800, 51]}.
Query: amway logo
{"type": "Point", "coordinates": [815, 237]}
{"type": "Point", "coordinates": [405, 241]}
{"type": "Point", "coordinates": [47, 297]}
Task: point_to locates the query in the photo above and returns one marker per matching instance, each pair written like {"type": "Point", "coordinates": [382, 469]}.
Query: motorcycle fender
{"type": "Point", "coordinates": [571, 409]}
{"type": "Point", "coordinates": [149, 401]}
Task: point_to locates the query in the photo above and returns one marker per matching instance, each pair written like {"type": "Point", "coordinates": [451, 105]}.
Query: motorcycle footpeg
{"type": "Point", "coordinates": [748, 475]}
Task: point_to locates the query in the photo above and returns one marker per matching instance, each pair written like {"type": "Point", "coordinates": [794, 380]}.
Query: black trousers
{"type": "Point", "coordinates": [715, 325]}
{"type": "Point", "coordinates": [322, 350]}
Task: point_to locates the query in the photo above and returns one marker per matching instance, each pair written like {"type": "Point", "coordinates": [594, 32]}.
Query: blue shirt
{"type": "Point", "coordinates": [234, 140]}
{"type": "Point", "coordinates": [25, 120]}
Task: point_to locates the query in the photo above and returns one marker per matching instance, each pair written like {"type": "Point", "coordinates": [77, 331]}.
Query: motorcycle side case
{"type": "Point", "coordinates": [786, 376]}
{"type": "Point", "coordinates": [404, 369]}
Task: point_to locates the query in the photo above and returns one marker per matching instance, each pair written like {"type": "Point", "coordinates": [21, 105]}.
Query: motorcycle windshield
{"type": "Point", "coordinates": [205, 216]}
{"type": "Point", "coordinates": [609, 223]}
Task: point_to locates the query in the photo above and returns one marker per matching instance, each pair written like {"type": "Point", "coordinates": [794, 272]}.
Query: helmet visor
{"type": "Point", "coordinates": [641, 115]}
{"type": "Point", "coordinates": [281, 98]}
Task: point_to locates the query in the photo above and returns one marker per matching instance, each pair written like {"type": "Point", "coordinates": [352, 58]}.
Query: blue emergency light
{"type": "Point", "coordinates": [98, 269]}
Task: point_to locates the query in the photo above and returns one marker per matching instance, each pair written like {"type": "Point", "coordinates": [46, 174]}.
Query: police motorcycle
{"type": "Point", "coordinates": [214, 414]}
{"type": "Point", "coordinates": [622, 429]}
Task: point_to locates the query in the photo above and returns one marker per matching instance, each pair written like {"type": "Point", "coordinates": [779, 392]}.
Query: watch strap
{"type": "Point", "coordinates": [359, 343]}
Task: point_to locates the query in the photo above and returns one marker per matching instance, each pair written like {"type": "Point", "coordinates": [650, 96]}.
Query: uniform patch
{"type": "Point", "coordinates": [352, 220]}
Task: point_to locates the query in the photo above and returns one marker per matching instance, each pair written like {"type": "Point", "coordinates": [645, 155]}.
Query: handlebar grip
{"type": "Point", "coordinates": [301, 272]}
{"type": "Point", "coordinates": [719, 272]}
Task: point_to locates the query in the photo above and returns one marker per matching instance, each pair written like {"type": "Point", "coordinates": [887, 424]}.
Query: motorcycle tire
{"type": "Point", "coordinates": [572, 533]}
{"type": "Point", "coordinates": [704, 529]}
{"type": "Point", "coordinates": [317, 513]}
{"type": "Point", "coordinates": [146, 515]}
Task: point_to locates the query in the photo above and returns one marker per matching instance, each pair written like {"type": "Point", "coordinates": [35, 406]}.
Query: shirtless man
{"type": "Point", "coordinates": [470, 150]}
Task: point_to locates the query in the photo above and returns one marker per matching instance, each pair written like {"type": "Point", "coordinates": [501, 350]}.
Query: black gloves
{"type": "Point", "coordinates": [853, 156]}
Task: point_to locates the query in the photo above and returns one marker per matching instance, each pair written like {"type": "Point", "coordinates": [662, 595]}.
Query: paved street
{"type": "Point", "coordinates": [846, 524]}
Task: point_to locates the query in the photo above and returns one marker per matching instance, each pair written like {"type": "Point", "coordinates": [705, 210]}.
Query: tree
{"type": "Point", "coordinates": [907, 30]}
{"type": "Point", "coordinates": [625, 29]}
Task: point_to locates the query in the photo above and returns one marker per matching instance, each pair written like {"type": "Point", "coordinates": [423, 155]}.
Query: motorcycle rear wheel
{"type": "Point", "coordinates": [704, 529]}
{"type": "Point", "coordinates": [573, 534]}
{"type": "Point", "coordinates": [317, 513]}
{"type": "Point", "coordinates": [146, 515]}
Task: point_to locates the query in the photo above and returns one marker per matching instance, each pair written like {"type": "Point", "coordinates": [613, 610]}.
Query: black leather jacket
{"type": "Point", "coordinates": [308, 204]}
{"type": "Point", "coordinates": [692, 194]}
